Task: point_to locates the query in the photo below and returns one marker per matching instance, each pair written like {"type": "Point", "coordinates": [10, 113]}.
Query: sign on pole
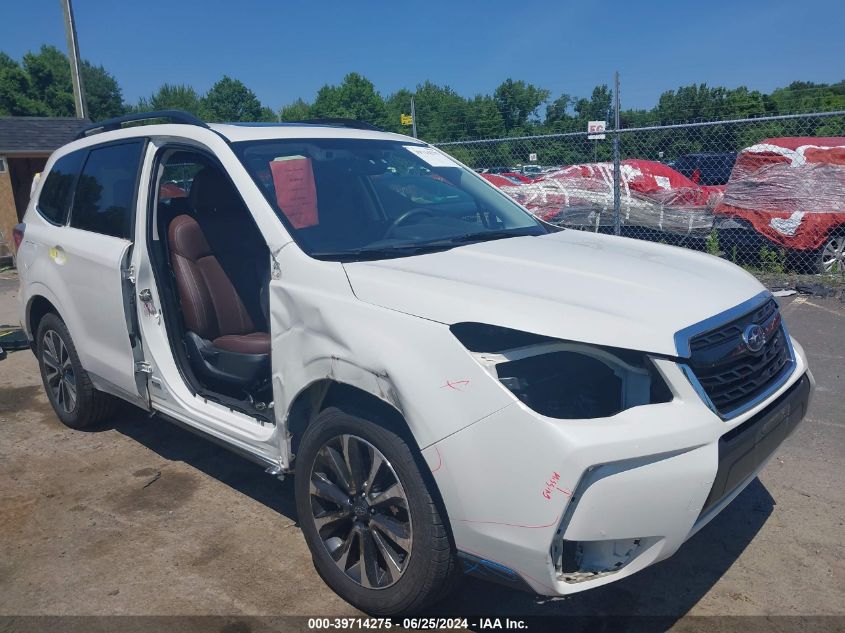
{"type": "Point", "coordinates": [596, 129]}
{"type": "Point", "coordinates": [406, 119]}
{"type": "Point", "coordinates": [532, 157]}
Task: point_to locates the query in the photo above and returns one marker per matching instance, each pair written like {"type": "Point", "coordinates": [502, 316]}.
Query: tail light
{"type": "Point", "coordinates": [17, 235]}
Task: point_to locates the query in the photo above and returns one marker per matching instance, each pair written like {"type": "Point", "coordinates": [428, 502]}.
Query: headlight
{"type": "Point", "coordinates": [564, 379]}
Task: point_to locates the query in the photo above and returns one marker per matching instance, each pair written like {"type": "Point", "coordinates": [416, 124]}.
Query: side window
{"type": "Point", "coordinates": [106, 190]}
{"type": "Point", "coordinates": [54, 200]}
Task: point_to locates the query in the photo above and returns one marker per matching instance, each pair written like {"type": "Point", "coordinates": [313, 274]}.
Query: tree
{"type": "Point", "coordinates": [103, 96]}
{"type": "Point", "coordinates": [441, 112]}
{"type": "Point", "coordinates": [806, 96]}
{"type": "Point", "coordinates": [703, 103]}
{"type": "Point", "coordinates": [173, 97]}
{"type": "Point", "coordinates": [597, 107]}
{"type": "Point", "coordinates": [483, 119]}
{"type": "Point", "coordinates": [560, 109]}
{"type": "Point", "coordinates": [230, 100]}
{"type": "Point", "coordinates": [355, 98]}
{"type": "Point", "coordinates": [49, 75]}
{"type": "Point", "coordinates": [42, 87]}
{"type": "Point", "coordinates": [517, 101]}
{"type": "Point", "coordinates": [268, 115]}
{"type": "Point", "coordinates": [16, 94]}
{"type": "Point", "coordinates": [742, 103]}
{"type": "Point", "coordinates": [396, 105]}
{"type": "Point", "coordinates": [296, 111]}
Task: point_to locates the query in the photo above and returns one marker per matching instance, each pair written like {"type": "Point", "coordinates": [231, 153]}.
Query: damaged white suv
{"type": "Point", "coordinates": [455, 387]}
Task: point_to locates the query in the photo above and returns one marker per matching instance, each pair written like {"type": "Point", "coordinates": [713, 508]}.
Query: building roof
{"type": "Point", "coordinates": [31, 134]}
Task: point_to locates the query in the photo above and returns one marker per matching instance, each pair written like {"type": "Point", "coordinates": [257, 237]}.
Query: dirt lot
{"type": "Point", "coordinates": [141, 517]}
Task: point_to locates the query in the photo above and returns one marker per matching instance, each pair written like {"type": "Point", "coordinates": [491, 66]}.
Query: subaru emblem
{"type": "Point", "coordinates": [754, 338]}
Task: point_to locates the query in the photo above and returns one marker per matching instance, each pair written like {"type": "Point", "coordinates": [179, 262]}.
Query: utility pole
{"type": "Point", "coordinates": [413, 118]}
{"type": "Point", "coordinates": [73, 55]}
{"type": "Point", "coordinates": [617, 175]}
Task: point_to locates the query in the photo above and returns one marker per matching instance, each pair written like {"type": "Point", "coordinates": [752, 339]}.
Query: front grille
{"type": "Point", "coordinates": [730, 374]}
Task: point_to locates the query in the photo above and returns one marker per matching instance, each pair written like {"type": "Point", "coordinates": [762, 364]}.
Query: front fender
{"type": "Point", "coordinates": [320, 331]}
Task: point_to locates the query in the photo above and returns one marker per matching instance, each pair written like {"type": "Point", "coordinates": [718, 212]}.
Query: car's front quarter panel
{"type": "Point", "coordinates": [321, 331]}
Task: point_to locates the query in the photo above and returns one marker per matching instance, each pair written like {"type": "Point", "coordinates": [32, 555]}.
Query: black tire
{"type": "Point", "coordinates": [830, 258]}
{"type": "Point", "coordinates": [89, 406]}
{"type": "Point", "coordinates": [431, 567]}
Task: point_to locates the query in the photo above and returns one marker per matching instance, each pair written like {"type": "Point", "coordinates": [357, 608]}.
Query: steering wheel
{"type": "Point", "coordinates": [410, 213]}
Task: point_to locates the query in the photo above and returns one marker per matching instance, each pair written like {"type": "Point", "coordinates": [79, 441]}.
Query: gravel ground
{"type": "Point", "coordinates": [140, 517]}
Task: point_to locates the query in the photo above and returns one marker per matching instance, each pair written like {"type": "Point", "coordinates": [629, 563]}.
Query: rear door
{"type": "Point", "coordinates": [95, 250]}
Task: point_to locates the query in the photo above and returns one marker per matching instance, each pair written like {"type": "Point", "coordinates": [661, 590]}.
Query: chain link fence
{"type": "Point", "coordinates": [766, 193]}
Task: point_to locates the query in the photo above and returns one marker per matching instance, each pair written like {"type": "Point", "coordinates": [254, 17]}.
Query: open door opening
{"type": "Point", "coordinates": [212, 269]}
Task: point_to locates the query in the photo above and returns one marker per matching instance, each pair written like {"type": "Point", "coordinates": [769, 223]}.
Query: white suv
{"type": "Point", "coordinates": [455, 386]}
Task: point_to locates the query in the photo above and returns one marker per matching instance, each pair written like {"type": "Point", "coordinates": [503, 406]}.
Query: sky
{"type": "Point", "coordinates": [286, 49]}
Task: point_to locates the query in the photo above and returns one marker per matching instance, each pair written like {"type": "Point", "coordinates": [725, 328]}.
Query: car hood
{"type": "Point", "coordinates": [570, 285]}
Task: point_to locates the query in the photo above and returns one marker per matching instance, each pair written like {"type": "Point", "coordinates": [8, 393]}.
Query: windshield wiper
{"type": "Point", "coordinates": [491, 235]}
{"type": "Point", "coordinates": [407, 250]}
{"type": "Point", "coordinates": [367, 254]}
{"type": "Point", "coordinates": [484, 236]}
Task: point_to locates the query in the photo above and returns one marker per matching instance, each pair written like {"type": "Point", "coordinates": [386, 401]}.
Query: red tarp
{"type": "Point", "coordinates": [652, 195]}
{"type": "Point", "coordinates": [499, 181]}
{"type": "Point", "coordinates": [170, 190]}
{"type": "Point", "coordinates": [792, 190]}
{"type": "Point", "coordinates": [648, 177]}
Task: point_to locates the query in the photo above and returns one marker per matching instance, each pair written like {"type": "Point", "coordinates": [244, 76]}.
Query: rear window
{"type": "Point", "coordinates": [54, 200]}
{"type": "Point", "coordinates": [105, 192]}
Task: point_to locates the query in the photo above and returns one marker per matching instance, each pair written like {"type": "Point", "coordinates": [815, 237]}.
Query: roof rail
{"type": "Point", "coordinates": [174, 116]}
{"type": "Point", "coordinates": [350, 123]}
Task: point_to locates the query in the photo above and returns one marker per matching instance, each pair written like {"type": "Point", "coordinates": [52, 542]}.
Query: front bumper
{"type": "Point", "coordinates": [748, 446]}
{"type": "Point", "coordinates": [566, 505]}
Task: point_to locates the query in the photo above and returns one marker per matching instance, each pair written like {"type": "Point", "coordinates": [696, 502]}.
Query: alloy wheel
{"type": "Point", "coordinates": [833, 255]}
{"type": "Point", "coordinates": [58, 371]}
{"type": "Point", "coordinates": [361, 511]}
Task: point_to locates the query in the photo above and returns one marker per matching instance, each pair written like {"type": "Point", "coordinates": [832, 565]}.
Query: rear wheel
{"type": "Point", "coordinates": [374, 530]}
{"type": "Point", "coordinates": [75, 400]}
{"type": "Point", "coordinates": [831, 258]}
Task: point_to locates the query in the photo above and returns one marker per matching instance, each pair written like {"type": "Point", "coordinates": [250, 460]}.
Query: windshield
{"type": "Point", "coordinates": [350, 199]}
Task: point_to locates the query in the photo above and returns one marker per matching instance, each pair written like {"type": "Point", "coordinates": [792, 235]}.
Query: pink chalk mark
{"type": "Point", "coordinates": [439, 461]}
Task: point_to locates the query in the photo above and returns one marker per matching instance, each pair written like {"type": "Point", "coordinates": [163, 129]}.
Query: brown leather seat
{"type": "Point", "coordinates": [234, 239]}
{"type": "Point", "coordinates": [211, 306]}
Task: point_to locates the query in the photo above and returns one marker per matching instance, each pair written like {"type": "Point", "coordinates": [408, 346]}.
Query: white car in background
{"type": "Point", "coordinates": [455, 387]}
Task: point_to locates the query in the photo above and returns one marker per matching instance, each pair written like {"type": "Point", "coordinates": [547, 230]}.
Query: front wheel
{"type": "Point", "coordinates": [374, 530]}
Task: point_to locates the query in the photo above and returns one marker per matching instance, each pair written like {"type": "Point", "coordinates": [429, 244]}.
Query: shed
{"type": "Point", "coordinates": [25, 145]}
